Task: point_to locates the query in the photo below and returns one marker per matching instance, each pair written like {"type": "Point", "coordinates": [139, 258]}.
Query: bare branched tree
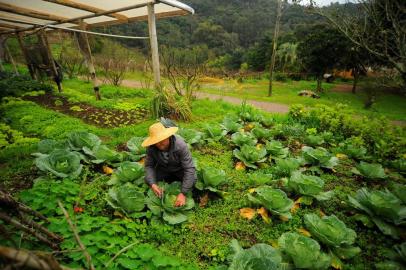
{"type": "Point", "coordinates": [378, 26]}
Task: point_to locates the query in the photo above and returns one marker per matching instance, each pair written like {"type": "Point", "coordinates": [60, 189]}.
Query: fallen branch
{"type": "Point", "coordinates": [77, 238]}
{"type": "Point", "coordinates": [42, 229]}
{"type": "Point", "coordinates": [31, 231]}
{"type": "Point", "coordinates": [31, 260]}
{"type": "Point", "coordinates": [119, 253]}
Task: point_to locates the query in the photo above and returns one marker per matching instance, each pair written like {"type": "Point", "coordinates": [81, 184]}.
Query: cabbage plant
{"type": "Point", "coordinates": [210, 178]}
{"type": "Point", "coordinates": [352, 150]}
{"type": "Point", "coordinates": [48, 145]}
{"type": "Point", "coordinates": [276, 150]}
{"type": "Point", "coordinates": [369, 170]}
{"type": "Point", "coordinates": [78, 140]}
{"type": "Point", "coordinates": [257, 257]}
{"type": "Point", "coordinates": [213, 132]}
{"type": "Point", "coordinates": [318, 157]}
{"type": "Point", "coordinates": [250, 155]}
{"type": "Point", "coordinates": [384, 208]}
{"type": "Point", "coordinates": [241, 138]}
{"type": "Point", "coordinates": [128, 172]}
{"type": "Point", "coordinates": [303, 251]}
{"type": "Point", "coordinates": [261, 133]}
{"type": "Point", "coordinates": [127, 198]}
{"type": "Point", "coordinates": [191, 136]}
{"type": "Point", "coordinates": [230, 124]}
{"type": "Point", "coordinates": [102, 153]}
{"type": "Point", "coordinates": [137, 152]}
{"type": "Point", "coordinates": [259, 179]}
{"type": "Point", "coordinates": [285, 167]}
{"type": "Point", "coordinates": [61, 163]}
{"type": "Point", "coordinates": [275, 200]}
{"type": "Point", "coordinates": [165, 207]}
{"type": "Point", "coordinates": [314, 140]}
{"type": "Point", "coordinates": [332, 232]}
{"type": "Point", "coordinates": [397, 258]}
{"type": "Point", "coordinates": [309, 185]}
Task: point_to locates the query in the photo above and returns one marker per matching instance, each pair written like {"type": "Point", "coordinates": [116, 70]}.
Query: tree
{"type": "Point", "coordinates": [378, 26]}
{"type": "Point", "coordinates": [321, 51]}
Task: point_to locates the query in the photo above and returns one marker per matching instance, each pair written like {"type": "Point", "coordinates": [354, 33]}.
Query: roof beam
{"type": "Point", "coordinates": [73, 4]}
{"type": "Point", "coordinates": [30, 13]}
{"type": "Point", "coordinates": [10, 26]}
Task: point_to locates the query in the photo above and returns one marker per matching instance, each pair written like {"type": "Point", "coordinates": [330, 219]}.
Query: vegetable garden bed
{"type": "Point", "coordinates": [105, 118]}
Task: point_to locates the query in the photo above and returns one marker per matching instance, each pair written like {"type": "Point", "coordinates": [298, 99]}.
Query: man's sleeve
{"type": "Point", "coordinates": [150, 175]}
{"type": "Point", "coordinates": [189, 170]}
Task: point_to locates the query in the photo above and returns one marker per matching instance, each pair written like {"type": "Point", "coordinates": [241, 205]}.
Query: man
{"type": "Point", "coordinates": [168, 158]}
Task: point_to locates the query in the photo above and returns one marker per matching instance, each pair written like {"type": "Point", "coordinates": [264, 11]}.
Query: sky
{"type": "Point", "coordinates": [326, 2]}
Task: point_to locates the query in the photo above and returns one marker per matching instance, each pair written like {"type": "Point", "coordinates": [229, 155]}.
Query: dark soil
{"type": "Point", "coordinates": [105, 118]}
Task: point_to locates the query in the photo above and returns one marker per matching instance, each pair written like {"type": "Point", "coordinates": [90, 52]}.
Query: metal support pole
{"type": "Point", "coordinates": [84, 47]}
{"type": "Point", "coordinates": [154, 44]}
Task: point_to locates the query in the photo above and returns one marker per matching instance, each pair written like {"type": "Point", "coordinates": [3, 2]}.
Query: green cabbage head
{"type": "Point", "coordinates": [319, 157]}
{"type": "Point", "coordinates": [62, 163]}
{"type": "Point", "coordinates": [210, 178]}
{"type": "Point", "coordinates": [78, 140]}
{"type": "Point", "coordinates": [127, 198]}
{"type": "Point", "coordinates": [309, 185]}
{"type": "Point", "coordinates": [250, 155]}
{"type": "Point", "coordinates": [128, 172]}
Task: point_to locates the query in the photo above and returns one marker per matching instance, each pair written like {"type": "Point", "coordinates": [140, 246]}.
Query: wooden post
{"type": "Point", "coordinates": [275, 44]}
{"type": "Point", "coordinates": [10, 56]}
{"type": "Point", "coordinates": [2, 52]}
{"type": "Point", "coordinates": [154, 44]}
{"type": "Point", "coordinates": [44, 41]}
{"type": "Point", "coordinates": [84, 47]}
{"type": "Point", "coordinates": [20, 38]}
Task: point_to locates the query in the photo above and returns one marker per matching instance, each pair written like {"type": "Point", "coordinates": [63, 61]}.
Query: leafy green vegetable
{"type": "Point", "coordinates": [370, 171]}
{"type": "Point", "coordinates": [230, 124]}
{"type": "Point", "coordinates": [332, 232]}
{"type": "Point", "coordinates": [383, 207]}
{"type": "Point", "coordinates": [303, 251]}
{"type": "Point", "coordinates": [285, 167]}
{"type": "Point", "coordinates": [137, 152]}
{"type": "Point", "coordinates": [257, 257]}
{"type": "Point", "coordinates": [62, 163]}
{"type": "Point", "coordinates": [319, 157]}
{"type": "Point", "coordinates": [47, 146]}
{"type": "Point", "coordinates": [191, 136]}
{"type": "Point", "coordinates": [127, 198]}
{"type": "Point", "coordinates": [309, 185]}
{"type": "Point", "coordinates": [78, 140]}
{"type": "Point", "coordinates": [210, 178]}
{"type": "Point", "coordinates": [165, 207]}
{"type": "Point", "coordinates": [259, 179]}
{"type": "Point", "coordinates": [250, 155]}
{"type": "Point", "coordinates": [314, 140]}
{"type": "Point", "coordinates": [397, 259]}
{"type": "Point", "coordinates": [102, 153]}
{"type": "Point", "coordinates": [241, 138]}
{"type": "Point", "coordinates": [275, 200]}
{"type": "Point", "coordinates": [352, 149]}
{"type": "Point", "coordinates": [399, 165]}
{"type": "Point", "coordinates": [261, 133]}
{"type": "Point", "coordinates": [128, 172]}
{"type": "Point", "coordinates": [276, 150]}
{"type": "Point", "coordinates": [213, 132]}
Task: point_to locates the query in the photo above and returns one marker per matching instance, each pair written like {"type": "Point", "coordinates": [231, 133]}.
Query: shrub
{"type": "Point", "coordinates": [18, 85]}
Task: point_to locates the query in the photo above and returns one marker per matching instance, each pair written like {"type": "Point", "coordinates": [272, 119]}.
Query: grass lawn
{"type": "Point", "coordinates": [389, 105]}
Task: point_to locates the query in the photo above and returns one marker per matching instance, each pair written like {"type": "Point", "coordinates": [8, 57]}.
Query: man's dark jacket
{"type": "Point", "coordinates": [179, 162]}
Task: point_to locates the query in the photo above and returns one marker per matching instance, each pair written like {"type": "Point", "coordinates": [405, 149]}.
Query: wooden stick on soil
{"type": "Point", "coordinates": [31, 231]}
{"type": "Point", "coordinates": [37, 226]}
{"type": "Point", "coordinates": [77, 238]}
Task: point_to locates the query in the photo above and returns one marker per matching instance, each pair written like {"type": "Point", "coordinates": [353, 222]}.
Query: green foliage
{"type": "Point", "coordinates": [261, 133]}
{"type": "Point", "coordinates": [165, 207]}
{"type": "Point", "coordinates": [370, 171]}
{"type": "Point", "coordinates": [137, 152]}
{"type": "Point", "coordinates": [127, 198]}
{"type": "Point", "coordinates": [250, 155]}
{"type": "Point", "coordinates": [285, 167]}
{"type": "Point", "coordinates": [102, 153]}
{"type": "Point", "coordinates": [276, 150]}
{"type": "Point", "coordinates": [61, 163]}
{"type": "Point", "coordinates": [128, 172]}
{"type": "Point", "coordinates": [319, 157]}
{"type": "Point", "coordinates": [210, 178]}
{"type": "Point", "coordinates": [353, 148]}
{"type": "Point", "coordinates": [190, 136]}
{"type": "Point", "coordinates": [309, 185]}
{"type": "Point", "coordinates": [397, 259]}
{"type": "Point", "coordinates": [275, 200]}
{"type": "Point", "coordinates": [231, 125]}
{"type": "Point", "coordinates": [257, 257]}
{"type": "Point", "coordinates": [48, 145]}
{"type": "Point", "coordinates": [382, 207]}
{"type": "Point", "coordinates": [303, 251]}
{"type": "Point", "coordinates": [80, 139]}
{"type": "Point", "coordinates": [259, 179]}
{"type": "Point", "coordinates": [242, 138]}
{"type": "Point", "coordinates": [19, 85]}
{"type": "Point", "coordinates": [213, 133]}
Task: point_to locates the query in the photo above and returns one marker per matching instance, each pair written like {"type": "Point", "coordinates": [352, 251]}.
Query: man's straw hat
{"type": "Point", "coordinates": [157, 133]}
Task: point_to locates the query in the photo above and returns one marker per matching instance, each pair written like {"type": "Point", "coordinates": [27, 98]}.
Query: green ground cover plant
{"type": "Point", "coordinates": [114, 214]}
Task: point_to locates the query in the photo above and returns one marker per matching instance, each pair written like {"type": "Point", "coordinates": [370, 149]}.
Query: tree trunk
{"type": "Point", "coordinates": [319, 81]}
{"type": "Point", "coordinates": [275, 44]}
{"type": "Point", "coordinates": [355, 73]}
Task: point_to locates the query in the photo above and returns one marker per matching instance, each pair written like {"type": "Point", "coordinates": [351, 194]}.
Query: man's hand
{"type": "Point", "coordinates": [157, 190]}
{"type": "Point", "coordinates": [180, 200]}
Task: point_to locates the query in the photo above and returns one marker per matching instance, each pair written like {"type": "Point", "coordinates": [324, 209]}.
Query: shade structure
{"type": "Point", "coordinates": [26, 15]}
